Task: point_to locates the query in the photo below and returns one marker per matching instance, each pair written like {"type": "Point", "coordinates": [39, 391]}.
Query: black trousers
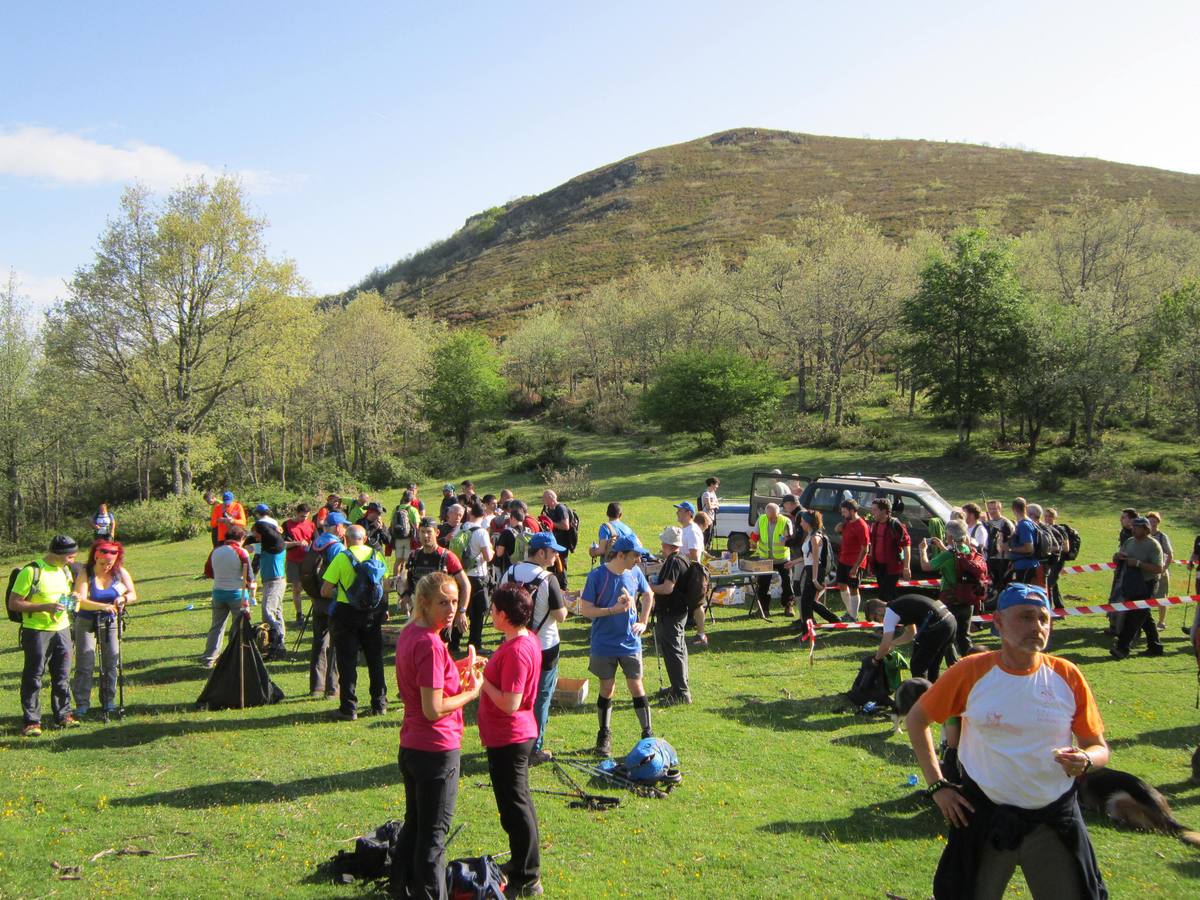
{"type": "Point", "coordinates": [1000, 571]}
{"type": "Point", "coordinates": [762, 586]}
{"type": "Point", "coordinates": [933, 639]}
{"type": "Point", "coordinates": [322, 661]}
{"type": "Point", "coordinates": [1136, 620]}
{"type": "Point", "coordinates": [809, 604]}
{"type": "Point", "coordinates": [886, 582]}
{"type": "Point", "coordinates": [352, 631]}
{"type": "Point", "coordinates": [46, 649]}
{"type": "Point", "coordinates": [1053, 571]}
{"type": "Point", "coordinates": [476, 613]}
{"type": "Point", "coordinates": [430, 792]}
{"type": "Point", "coordinates": [509, 769]}
{"type": "Point", "coordinates": [958, 648]}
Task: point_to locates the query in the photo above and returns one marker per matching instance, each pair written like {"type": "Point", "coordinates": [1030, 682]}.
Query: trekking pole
{"type": "Point", "coordinates": [242, 658]}
{"type": "Point", "coordinates": [303, 628]}
{"type": "Point", "coordinates": [657, 655]}
{"type": "Point", "coordinates": [120, 666]}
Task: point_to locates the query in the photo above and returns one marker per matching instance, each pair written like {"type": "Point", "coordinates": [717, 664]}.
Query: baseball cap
{"type": "Point", "coordinates": [336, 518]}
{"type": "Point", "coordinates": [688, 505]}
{"type": "Point", "coordinates": [1022, 595]}
{"type": "Point", "coordinates": [672, 535]}
{"type": "Point", "coordinates": [788, 498]}
{"type": "Point", "coordinates": [628, 544]}
{"type": "Point", "coordinates": [262, 508]}
{"type": "Point", "coordinates": [447, 487]}
{"type": "Point", "coordinates": [227, 497]}
{"type": "Point", "coordinates": [63, 544]}
{"type": "Point", "coordinates": [544, 539]}
{"type": "Point", "coordinates": [374, 506]}
{"type": "Point", "coordinates": [1140, 522]}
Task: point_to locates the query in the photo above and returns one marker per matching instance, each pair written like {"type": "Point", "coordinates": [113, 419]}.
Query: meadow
{"type": "Point", "coordinates": [786, 791]}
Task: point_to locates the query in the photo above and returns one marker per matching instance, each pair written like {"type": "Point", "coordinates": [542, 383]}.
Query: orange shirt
{"type": "Point", "coordinates": [235, 512]}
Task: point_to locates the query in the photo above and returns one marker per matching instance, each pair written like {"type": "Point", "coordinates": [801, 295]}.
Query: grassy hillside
{"type": "Point", "coordinates": [724, 191]}
{"type": "Point", "coordinates": [785, 793]}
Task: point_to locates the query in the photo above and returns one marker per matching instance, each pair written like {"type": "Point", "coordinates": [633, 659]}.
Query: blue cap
{"type": "Point", "coordinates": [262, 508]}
{"type": "Point", "coordinates": [1022, 595]}
{"type": "Point", "coordinates": [544, 539]}
{"type": "Point", "coordinates": [627, 544]}
{"type": "Point", "coordinates": [336, 518]}
{"type": "Point", "coordinates": [688, 505]}
{"type": "Point", "coordinates": [227, 497]}
{"type": "Point", "coordinates": [447, 487]}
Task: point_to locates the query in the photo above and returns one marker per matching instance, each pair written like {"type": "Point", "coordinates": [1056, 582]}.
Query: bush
{"type": "Point", "coordinates": [392, 472]}
{"type": "Point", "coordinates": [571, 483]}
{"type": "Point", "coordinates": [517, 443]}
{"type": "Point", "coordinates": [1049, 480]}
{"type": "Point", "coordinates": [553, 455]}
{"type": "Point", "coordinates": [169, 519]}
{"type": "Point", "coordinates": [1165, 465]}
{"type": "Point", "coordinates": [321, 477]}
{"type": "Point", "coordinates": [1178, 487]}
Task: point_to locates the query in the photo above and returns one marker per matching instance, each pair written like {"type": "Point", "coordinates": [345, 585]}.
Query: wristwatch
{"type": "Point", "coordinates": [937, 786]}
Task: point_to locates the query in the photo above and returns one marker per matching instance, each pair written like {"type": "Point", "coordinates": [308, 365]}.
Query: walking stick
{"type": "Point", "coordinates": [120, 666]}
{"type": "Point", "coordinates": [303, 628]}
{"type": "Point", "coordinates": [242, 659]}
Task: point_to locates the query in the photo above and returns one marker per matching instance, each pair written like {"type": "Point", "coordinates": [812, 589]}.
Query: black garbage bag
{"type": "Point", "coordinates": [239, 679]}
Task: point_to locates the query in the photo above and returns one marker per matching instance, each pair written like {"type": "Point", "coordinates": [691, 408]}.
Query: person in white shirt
{"type": "Point", "coordinates": [977, 533]}
{"type": "Point", "coordinates": [477, 554]}
{"type": "Point", "coordinates": [710, 504]}
{"type": "Point", "coordinates": [692, 550]}
{"type": "Point", "coordinates": [549, 609]}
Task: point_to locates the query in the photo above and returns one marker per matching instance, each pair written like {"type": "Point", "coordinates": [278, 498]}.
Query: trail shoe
{"type": "Point", "coordinates": [32, 729]}
{"type": "Point", "coordinates": [1153, 650]}
{"type": "Point", "coordinates": [67, 721]}
{"type": "Point", "coordinates": [604, 743]}
{"type": "Point", "coordinates": [537, 757]}
{"type": "Point", "coordinates": [700, 641]}
{"type": "Point", "coordinates": [1118, 653]}
{"type": "Point", "coordinates": [346, 716]}
{"type": "Point", "coordinates": [532, 889]}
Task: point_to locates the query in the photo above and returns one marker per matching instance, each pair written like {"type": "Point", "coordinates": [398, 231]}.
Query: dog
{"type": "Point", "coordinates": [1128, 800]}
{"type": "Point", "coordinates": [907, 695]}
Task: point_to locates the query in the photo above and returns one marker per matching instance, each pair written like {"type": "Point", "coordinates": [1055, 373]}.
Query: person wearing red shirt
{"type": "Point", "coordinates": [508, 729]}
{"type": "Point", "coordinates": [852, 556]}
{"type": "Point", "coordinates": [890, 549]}
{"type": "Point", "coordinates": [434, 692]}
{"type": "Point", "coordinates": [298, 534]}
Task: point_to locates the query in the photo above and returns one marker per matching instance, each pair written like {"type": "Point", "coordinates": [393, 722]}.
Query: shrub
{"type": "Point", "coordinates": [517, 443]}
{"type": "Point", "coordinates": [1179, 487]}
{"type": "Point", "coordinates": [553, 455]}
{"type": "Point", "coordinates": [392, 472]}
{"type": "Point", "coordinates": [1049, 480]}
{"type": "Point", "coordinates": [169, 519]}
{"type": "Point", "coordinates": [1165, 465]}
{"type": "Point", "coordinates": [571, 483]}
{"type": "Point", "coordinates": [322, 476]}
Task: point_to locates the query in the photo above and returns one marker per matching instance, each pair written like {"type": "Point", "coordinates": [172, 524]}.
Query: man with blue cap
{"type": "Point", "coordinates": [226, 513]}
{"type": "Point", "coordinates": [1030, 727]}
{"type": "Point", "coordinates": [610, 599]}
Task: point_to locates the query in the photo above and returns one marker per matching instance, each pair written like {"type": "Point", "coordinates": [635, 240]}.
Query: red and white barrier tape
{"type": "Point", "coordinates": [1123, 606]}
{"type": "Point", "coordinates": [1067, 570]}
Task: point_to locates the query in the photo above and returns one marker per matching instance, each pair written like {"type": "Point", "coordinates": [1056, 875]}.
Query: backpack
{"type": "Point", "coordinates": [402, 524]}
{"type": "Point", "coordinates": [476, 878]}
{"type": "Point", "coordinates": [520, 545]}
{"type": "Point", "coordinates": [461, 545]}
{"type": "Point", "coordinates": [695, 585]}
{"type": "Point", "coordinates": [419, 566]}
{"type": "Point", "coordinates": [876, 683]}
{"type": "Point", "coordinates": [971, 580]}
{"type": "Point", "coordinates": [12, 579]}
{"type": "Point", "coordinates": [312, 568]}
{"type": "Point", "coordinates": [373, 857]}
{"type": "Point", "coordinates": [366, 591]}
{"type": "Point", "coordinates": [651, 760]}
{"type": "Point", "coordinates": [1046, 543]}
{"type": "Point", "coordinates": [572, 539]}
{"type": "Point", "coordinates": [1071, 541]}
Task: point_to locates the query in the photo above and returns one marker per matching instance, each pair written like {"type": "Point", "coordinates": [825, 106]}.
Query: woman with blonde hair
{"type": "Point", "coordinates": [434, 692]}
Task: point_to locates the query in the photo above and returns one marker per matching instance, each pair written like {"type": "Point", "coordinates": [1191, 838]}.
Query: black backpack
{"type": "Point", "coordinates": [312, 568]}
{"type": "Point", "coordinates": [17, 617]}
{"type": "Point", "coordinates": [401, 524]}
{"type": "Point", "coordinates": [476, 878]}
{"type": "Point", "coordinates": [695, 586]}
{"type": "Point", "coordinates": [870, 685]}
{"type": "Point", "coordinates": [573, 533]}
{"type": "Point", "coordinates": [373, 857]}
{"type": "Point", "coordinates": [1046, 543]}
{"type": "Point", "coordinates": [1072, 541]}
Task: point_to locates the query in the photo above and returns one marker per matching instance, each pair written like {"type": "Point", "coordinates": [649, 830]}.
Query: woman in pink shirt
{"type": "Point", "coordinates": [434, 693]}
{"type": "Point", "coordinates": [508, 729]}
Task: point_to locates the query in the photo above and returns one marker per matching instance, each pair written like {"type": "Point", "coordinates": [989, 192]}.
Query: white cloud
{"type": "Point", "coordinates": [35, 293]}
{"type": "Point", "coordinates": [61, 158]}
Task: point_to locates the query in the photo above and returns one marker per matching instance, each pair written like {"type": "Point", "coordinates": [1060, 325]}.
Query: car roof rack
{"type": "Point", "coordinates": [877, 479]}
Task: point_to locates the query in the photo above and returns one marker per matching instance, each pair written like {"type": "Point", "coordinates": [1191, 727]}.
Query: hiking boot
{"type": "Point", "coordinates": [647, 733]}
{"type": "Point", "coordinates": [67, 721]}
{"type": "Point", "coordinates": [604, 743]}
{"type": "Point", "coordinates": [700, 641]}
{"type": "Point", "coordinates": [81, 711]}
{"type": "Point", "coordinates": [1153, 650]}
{"type": "Point", "coordinates": [1118, 653]}
{"type": "Point", "coordinates": [317, 695]}
{"type": "Point", "coordinates": [379, 710]}
{"type": "Point", "coordinates": [531, 889]}
{"type": "Point", "coordinates": [32, 729]}
{"type": "Point", "coordinates": [341, 716]}
{"type": "Point", "coordinates": [848, 618]}
{"type": "Point", "coordinates": [538, 757]}
{"type": "Point", "coordinates": [674, 698]}
{"type": "Point", "coordinates": [331, 695]}
{"type": "Point", "coordinates": [789, 610]}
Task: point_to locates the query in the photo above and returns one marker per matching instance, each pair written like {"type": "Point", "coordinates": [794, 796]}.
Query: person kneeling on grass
{"type": "Point", "coordinates": [508, 729]}
{"type": "Point", "coordinates": [434, 693]}
{"type": "Point", "coordinates": [608, 599]}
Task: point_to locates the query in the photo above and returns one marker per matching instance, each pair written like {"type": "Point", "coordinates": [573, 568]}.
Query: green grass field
{"type": "Point", "coordinates": [785, 793]}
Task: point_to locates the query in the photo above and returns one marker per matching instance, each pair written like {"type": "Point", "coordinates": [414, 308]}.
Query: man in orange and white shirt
{"type": "Point", "coordinates": [1017, 804]}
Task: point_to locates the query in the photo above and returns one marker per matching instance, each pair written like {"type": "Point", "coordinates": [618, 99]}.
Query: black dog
{"type": "Point", "coordinates": [1127, 799]}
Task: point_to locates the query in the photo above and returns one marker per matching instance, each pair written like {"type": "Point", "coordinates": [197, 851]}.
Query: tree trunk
{"type": "Point", "coordinates": [176, 472]}
{"type": "Point", "coordinates": [1072, 431]}
{"type": "Point", "coordinates": [1003, 429]}
{"type": "Point", "coordinates": [283, 456]}
{"type": "Point", "coordinates": [186, 465]}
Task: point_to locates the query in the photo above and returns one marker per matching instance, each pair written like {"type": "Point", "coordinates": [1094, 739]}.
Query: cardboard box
{"type": "Point", "coordinates": [719, 566]}
{"type": "Point", "coordinates": [571, 692]}
{"type": "Point", "coordinates": [756, 565]}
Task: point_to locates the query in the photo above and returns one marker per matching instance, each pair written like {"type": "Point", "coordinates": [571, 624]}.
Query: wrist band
{"type": "Point", "coordinates": [1087, 768]}
{"type": "Point", "coordinates": [937, 786]}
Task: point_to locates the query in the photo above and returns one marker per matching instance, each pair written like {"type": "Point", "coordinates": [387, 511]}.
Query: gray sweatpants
{"type": "Point", "coordinates": [669, 633]}
{"type": "Point", "coordinates": [89, 633]}
{"type": "Point", "coordinates": [221, 613]}
{"type": "Point", "coordinates": [1049, 870]}
{"type": "Point", "coordinates": [42, 647]}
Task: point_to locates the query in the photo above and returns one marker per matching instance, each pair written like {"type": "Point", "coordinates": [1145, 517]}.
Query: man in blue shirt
{"type": "Point", "coordinates": [1027, 569]}
{"type": "Point", "coordinates": [322, 663]}
{"type": "Point", "coordinates": [610, 599]}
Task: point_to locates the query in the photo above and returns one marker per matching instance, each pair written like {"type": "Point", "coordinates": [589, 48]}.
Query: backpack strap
{"type": "Point", "coordinates": [536, 584]}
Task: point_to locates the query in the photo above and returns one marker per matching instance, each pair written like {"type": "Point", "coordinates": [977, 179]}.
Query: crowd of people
{"type": "Point", "coordinates": [489, 557]}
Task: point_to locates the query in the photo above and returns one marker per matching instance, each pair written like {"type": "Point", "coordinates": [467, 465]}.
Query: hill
{"type": "Point", "coordinates": [725, 190]}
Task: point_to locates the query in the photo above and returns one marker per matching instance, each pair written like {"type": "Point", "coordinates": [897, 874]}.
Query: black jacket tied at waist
{"type": "Point", "coordinates": [1005, 827]}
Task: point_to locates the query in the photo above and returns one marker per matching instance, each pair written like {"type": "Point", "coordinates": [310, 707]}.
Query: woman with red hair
{"type": "Point", "coordinates": [103, 580]}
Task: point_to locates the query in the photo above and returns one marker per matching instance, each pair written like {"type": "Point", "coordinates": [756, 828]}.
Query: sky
{"type": "Point", "coordinates": [363, 132]}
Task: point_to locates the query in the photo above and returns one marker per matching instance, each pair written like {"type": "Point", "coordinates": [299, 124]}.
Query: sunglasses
{"type": "Point", "coordinates": [106, 552]}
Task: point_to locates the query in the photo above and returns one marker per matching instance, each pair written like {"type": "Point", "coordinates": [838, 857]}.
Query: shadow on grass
{"type": "Point", "coordinates": [240, 793]}
{"type": "Point", "coordinates": [883, 745]}
{"type": "Point", "coordinates": [906, 818]}
{"type": "Point", "coordinates": [808, 714]}
{"type": "Point", "coordinates": [1182, 737]}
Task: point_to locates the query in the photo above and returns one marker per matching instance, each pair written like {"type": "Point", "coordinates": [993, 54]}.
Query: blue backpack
{"type": "Point", "coordinates": [651, 760]}
{"type": "Point", "coordinates": [366, 592]}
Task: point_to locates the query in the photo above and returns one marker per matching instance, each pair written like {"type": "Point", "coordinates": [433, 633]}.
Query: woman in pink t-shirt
{"type": "Point", "coordinates": [508, 729]}
{"type": "Point", "coordinates": [431, 734]}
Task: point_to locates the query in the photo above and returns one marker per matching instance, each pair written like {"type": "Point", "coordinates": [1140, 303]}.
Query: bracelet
{"type": "Point", "coordinates": [1087, 768]}
{"type": "Point", "coordinates": [937, 786]}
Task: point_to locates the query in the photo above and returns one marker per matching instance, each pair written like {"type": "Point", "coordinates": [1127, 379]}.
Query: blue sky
{"type": "Point", "coordinates": [365, 131]}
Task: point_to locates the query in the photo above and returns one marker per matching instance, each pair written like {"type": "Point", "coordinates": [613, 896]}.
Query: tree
{"type": "Point", "coordinates": [174, 314]}
{"type": "Point", "coordinates": [964, 325]}
{"type": "Point", "coordinates": [466, 390]}
{"type": "Point", "coordinates": [20, 443]}
{"type": "Point", "coordinates": [705, 391]}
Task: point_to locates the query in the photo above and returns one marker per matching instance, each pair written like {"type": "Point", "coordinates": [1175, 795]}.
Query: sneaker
{"type": "Point", "coordinates": [647, 733]}
{"type": "Point", "coordinates": [345, 716]}
{"type": "Point", "coordinates": [67, 721]}
{"type": "Point", "coordinates": [674, 698]}
{"type": "Point", "coordinates": [848, 618]}
{"type": "Point", "coordinates": [82, 710]}
{"type": "Point", "coordinates": [604, 743]}
{"type": "Point", "coordinates": [700, 641]}
{"type": "Point", "coordinates": [379, 710]}
{"type": "Point", "coordinates": [1118, 653]}
{"type": "Point", "coordinates": [1153, 650]}
{"type": "Point", "coordinates": [532, 889]}
{"type": "Point", "coordinates": [538, 757]}
{"type": "Point", "coordinates": [32, 729]}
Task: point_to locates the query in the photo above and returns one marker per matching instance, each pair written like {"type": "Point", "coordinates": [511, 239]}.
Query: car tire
{"type": "Point", "coordinates": [738, 543]}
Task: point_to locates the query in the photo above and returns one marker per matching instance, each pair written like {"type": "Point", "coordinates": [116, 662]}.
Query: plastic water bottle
{"type": "Point", "coordinates": [870, 706]}
{"type": "Point", "coordinates": [68, 601]}
{"type": "Point", "coordinates": [912, 781]}
{"type": "Point", "coordinates": [190, 606]}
